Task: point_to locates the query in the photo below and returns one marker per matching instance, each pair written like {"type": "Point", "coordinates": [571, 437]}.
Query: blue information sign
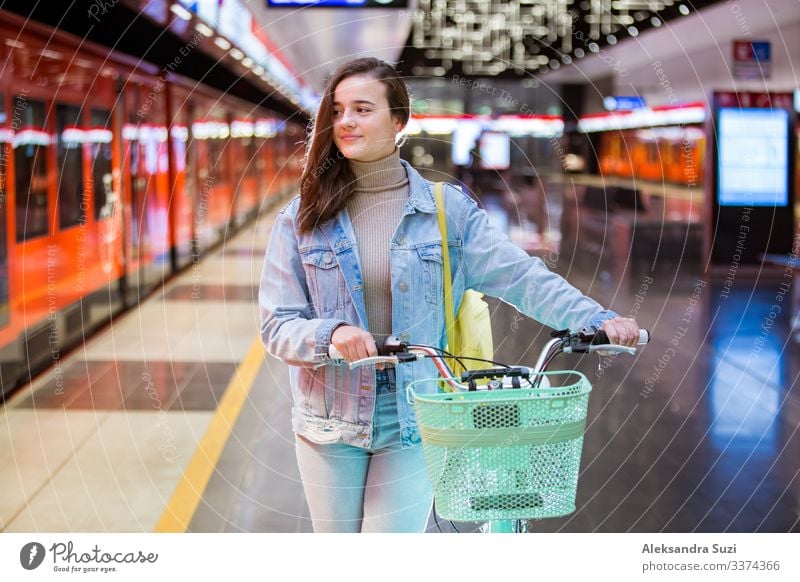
{"type": "Point", "coordinates": [623, 103]}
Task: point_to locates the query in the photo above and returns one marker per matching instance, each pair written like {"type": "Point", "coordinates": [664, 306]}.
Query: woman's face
{"type": "Point", "coordinates": [363, 127]}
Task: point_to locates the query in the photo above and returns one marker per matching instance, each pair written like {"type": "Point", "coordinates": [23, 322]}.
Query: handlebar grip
{"type": "Point", "coordinates": [387, 346]}
{"type": "Point", "coordinates": [600, 338]}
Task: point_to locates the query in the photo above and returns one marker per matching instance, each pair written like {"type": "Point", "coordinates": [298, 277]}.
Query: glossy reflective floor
{"type": "Point", "coordinates": [698, 432]}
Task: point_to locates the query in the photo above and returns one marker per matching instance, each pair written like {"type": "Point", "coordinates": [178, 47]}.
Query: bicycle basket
{"type": "Point", "coordinates": [504, 454]}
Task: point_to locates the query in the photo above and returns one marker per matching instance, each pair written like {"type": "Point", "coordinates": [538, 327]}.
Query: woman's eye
{"type": "Point", "coordinates": [359, 110]}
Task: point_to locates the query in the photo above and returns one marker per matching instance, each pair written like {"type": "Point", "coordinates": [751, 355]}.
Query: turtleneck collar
{"type": "Point", "coordinates": [379, 175]}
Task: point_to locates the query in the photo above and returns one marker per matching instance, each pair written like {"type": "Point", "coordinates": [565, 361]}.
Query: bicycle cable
{"type": "Point", "coordinates": [559, 350]}
{"type": "Point", "coordinates": [446, 354]}
{"type": "Point", "coordinates": [443, 353]}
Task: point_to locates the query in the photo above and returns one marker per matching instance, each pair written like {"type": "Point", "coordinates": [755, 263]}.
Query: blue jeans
{"type": "Point", "coordinates": [381, 489]}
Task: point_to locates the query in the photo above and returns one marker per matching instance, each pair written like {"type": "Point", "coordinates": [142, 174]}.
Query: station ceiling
{"type": "Point", "coordinates": [480, 38]}
{"type": "Point", "coordinates": [512, 38]}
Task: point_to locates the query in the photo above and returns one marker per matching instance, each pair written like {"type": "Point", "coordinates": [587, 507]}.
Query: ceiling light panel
{"type": "Point", "coordinates": [488, 37]}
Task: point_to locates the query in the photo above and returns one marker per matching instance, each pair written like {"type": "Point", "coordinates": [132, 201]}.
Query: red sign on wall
{"type": "Point", "coordinates": [753, 99]}
{"type": "Point", "coordinates": [751, 59]}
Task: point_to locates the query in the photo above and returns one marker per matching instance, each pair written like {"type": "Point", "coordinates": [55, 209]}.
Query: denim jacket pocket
{"type": "Point", "coordinates": [325, 280]}
{"type": "Point", "coordinates": [313, 385]}
{"type": "Point", "coordinates": [430, 256]}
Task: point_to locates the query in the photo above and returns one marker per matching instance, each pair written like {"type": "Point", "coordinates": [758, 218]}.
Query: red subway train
{"type": "Point", "coordinates": [674, 155]}
{"type": "Point", "coordinates": [113, 175]}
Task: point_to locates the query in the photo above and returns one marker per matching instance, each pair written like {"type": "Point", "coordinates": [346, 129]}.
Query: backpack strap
{"type": "Point", "coordinates": [448, 285]}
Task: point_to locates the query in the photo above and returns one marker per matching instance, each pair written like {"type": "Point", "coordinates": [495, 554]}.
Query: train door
{"type": "Point", "coordinates": [182, 173]}
{"type": "Point", "coordinates": [203, 179]}
{"type": "Point", "coordinates": [105, 194]}
{"type": "Point", "coordinates": [246, 168]}
{"type": "Point", "coordinates": [4, 227]}
{"type": "Point", "coordinates": [282, 169]}
{"type": "Point", "coordinates": [147, 184]}
{"type": "Point", "coordinates": [135, 182]}
{"type": "Point", "coordinates": [210, 142]}
{"type": "Point", "coordinates": [265, 130]}
{"type": "Point", "coordinates": [9, 368]}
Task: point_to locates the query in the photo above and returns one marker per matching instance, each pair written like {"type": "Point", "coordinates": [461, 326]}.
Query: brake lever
{"type": "Point", "coordinates": [612, 349]}
{"type": "Point", "coordinates": [372, 360]}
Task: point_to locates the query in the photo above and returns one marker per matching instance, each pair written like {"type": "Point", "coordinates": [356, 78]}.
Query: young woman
{"type": "Point", "coordinates": [358, 255]}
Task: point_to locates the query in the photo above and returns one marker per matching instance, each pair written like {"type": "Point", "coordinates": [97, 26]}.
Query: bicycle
{"type": "Point", "coordinates": [507, 450]}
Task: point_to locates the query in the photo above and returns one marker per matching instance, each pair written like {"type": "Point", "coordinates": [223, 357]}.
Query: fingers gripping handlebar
{"type": "Point", "coordinates": [593, 340]}
{"type": "Point", "coordinates": [600, 337]}
{"type": "Point", "coordinates": [391, 350]}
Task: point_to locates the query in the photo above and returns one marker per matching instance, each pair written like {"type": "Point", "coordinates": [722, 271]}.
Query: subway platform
{"type": "Point", "coordinates": [173, 418]}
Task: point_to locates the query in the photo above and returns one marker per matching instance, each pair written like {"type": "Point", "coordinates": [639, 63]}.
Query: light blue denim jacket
{"type": "Point", "coordinates": [312, 282]}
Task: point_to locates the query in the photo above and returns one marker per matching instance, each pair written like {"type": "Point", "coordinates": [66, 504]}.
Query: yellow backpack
{"type": "Point", "coordinates": [470, 333]}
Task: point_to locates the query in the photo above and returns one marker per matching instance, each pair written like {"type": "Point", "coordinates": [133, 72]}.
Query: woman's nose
{"type": "Point", "coordinates": [348, 118]}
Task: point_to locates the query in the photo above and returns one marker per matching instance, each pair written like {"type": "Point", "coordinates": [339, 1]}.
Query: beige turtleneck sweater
{"type": "Point", "coordinates": [375, 208]}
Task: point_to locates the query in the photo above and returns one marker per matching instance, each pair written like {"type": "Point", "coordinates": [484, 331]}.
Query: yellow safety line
{"type": "Point", "coordinates": [179, 511]}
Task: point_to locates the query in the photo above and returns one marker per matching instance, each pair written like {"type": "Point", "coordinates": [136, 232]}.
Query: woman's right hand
{"type": "Point", "coordinates": [354, 343]}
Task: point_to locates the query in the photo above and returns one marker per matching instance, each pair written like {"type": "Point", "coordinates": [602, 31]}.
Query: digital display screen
{"type": "Point", "coordinates": [495, 150]}
{"type": "Point", "coordinates": [753, 157]}
{"type": "Point", "coordinates": [464, 137]}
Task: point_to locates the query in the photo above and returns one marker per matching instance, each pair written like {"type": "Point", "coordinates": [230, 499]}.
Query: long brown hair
{"type": "Point", "coordinates": [327, 180]}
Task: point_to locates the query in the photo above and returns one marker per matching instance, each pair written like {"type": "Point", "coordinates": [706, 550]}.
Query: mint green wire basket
{"type": "Point", "coordinates": [504, 454]}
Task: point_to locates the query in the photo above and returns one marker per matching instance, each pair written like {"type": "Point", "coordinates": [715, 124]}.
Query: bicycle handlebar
{"type": "Point", "coordinates": [587, 341]}
{"type": "Point", "coordinates": [394, 351]}
{"type": "Point", "coordinates": [387, 347]}
{"type": "Point", "coordinates": [601, 338]}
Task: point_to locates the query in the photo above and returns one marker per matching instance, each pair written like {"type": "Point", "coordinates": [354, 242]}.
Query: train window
{"type": "Point", "coordinates": [100, 138]}
{"type": "Point", "coordinates": [70, 137]}
{"type": "Point", "coordinates": [30, 168]}
{"type": "Point", "coordinates": [4, 138]}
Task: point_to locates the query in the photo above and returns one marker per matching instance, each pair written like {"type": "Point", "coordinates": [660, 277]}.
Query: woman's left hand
{"type": "Point", "coordinates": [622, 330]}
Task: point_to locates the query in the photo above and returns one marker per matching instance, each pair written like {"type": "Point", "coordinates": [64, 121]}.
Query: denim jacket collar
{"type": "Point", "coordinates": [421, 196]}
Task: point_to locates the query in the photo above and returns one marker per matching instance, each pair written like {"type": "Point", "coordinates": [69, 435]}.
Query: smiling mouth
{"type": "Point", "coordinates": [351, 137]}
